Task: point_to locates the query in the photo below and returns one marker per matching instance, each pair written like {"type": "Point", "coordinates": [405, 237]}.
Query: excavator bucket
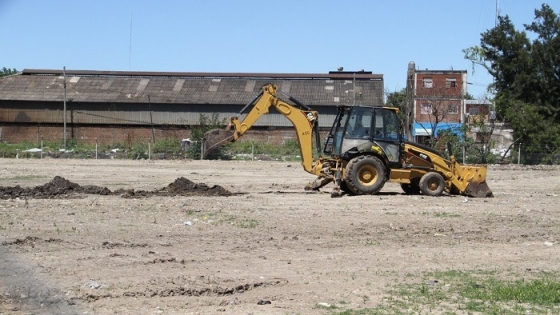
{"type": "Point", "coordinates": [478, 190]}
{"type": "Point", "coordinates": [215, 138]}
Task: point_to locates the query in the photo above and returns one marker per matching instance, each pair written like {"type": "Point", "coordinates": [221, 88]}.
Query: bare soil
{"type": "Point", "coordinates": [215, 237]}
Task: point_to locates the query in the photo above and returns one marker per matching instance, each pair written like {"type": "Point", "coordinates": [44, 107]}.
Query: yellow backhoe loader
{"type": "Point", "coordinates": [363, 150]}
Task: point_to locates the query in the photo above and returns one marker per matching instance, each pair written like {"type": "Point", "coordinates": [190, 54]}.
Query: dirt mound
{"type": "Point", "coordinates": [182, 186]}
{"type": "Point", "coordinates": [60, 187]}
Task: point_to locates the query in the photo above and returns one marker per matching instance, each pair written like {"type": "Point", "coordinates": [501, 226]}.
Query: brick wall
{"type": "Point", "coordinates": [120, 135]}
{"type": "Point", "coordinates": [442, 92]}
{"type": "Point", "coordinates": [453, 117]}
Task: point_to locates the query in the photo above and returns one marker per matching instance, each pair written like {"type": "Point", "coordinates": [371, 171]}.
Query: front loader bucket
{"type": "Point", "coordinates": [478, 190]}
{"type": "Point", "coordinates": [215, 138]}
{"type": "Point", "coordinates": [475, 179]}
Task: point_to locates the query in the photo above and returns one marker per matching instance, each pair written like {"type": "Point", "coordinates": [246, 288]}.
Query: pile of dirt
{"type": "Point", "coordinates": [60, 187]}
{"type": "Point", "coordinates": [182, 186]}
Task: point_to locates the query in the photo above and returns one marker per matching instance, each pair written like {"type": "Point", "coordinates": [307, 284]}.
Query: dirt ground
{"type": "Point", "coordinates": [123, 237]}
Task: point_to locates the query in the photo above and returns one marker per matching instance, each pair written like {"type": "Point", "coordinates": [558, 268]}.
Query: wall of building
{"type": "Point", "coordinates": [439, 85]}
{"type": "Point", "coordinates": [426, 116]}
{"type": "Point", "coordinates": [441, 90]}
{"type": "Point", "coordinates": [119, 135]}
{"type": "Point", "coordinates": [477, 112]}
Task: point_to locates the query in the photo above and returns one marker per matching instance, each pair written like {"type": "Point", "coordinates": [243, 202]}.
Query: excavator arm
{"type": "Point", "coordinates": [302, 117]}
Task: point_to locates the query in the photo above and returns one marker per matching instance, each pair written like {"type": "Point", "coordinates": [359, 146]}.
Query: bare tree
{"type": "Point", "coordinates": [438, 105]}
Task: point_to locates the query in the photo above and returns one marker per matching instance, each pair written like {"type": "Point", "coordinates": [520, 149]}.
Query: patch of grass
{"type": "Point", "coordinates": [540, 292]}
{"type": "Point", "coordinates": [247, 223]}
{"type": "Point", "coordinates": [26, 177]}
{"type": "Point", "coordinates": [370, 242]}
{"type": "Point", "coordinates": [447, 215]}
{"type": "Point", "coordinates": [471, 292]}
{"type": "Point", "coordinates": [442, 214]}
{"type": "Point", "coordinates": [244, 223]}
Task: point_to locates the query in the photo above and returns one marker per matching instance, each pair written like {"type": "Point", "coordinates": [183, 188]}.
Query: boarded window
{"type": "Point", "coordinates": [428, 83]}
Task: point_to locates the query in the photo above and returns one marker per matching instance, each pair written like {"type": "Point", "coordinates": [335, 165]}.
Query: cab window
{"type": "Point", "coordinates": [386, 125]}
{"type": "Point", "coordinates": [359, 123]}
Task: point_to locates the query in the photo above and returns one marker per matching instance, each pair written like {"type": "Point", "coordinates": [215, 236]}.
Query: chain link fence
{"type": "Point", "coordinates": [247, 150]}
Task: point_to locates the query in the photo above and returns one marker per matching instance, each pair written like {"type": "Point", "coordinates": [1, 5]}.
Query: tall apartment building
{"type": "Point", "coordinates": [436, 101]}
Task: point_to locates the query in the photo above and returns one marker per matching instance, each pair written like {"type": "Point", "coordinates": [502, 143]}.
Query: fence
{"type": "Point", "coordinates": [248, 150]}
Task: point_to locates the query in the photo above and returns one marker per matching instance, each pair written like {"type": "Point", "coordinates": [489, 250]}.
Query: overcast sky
{"type": "Point", "coordinates": [288, 36]}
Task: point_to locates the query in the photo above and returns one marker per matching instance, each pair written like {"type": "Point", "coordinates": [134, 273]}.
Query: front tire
{"type": "Point", "coordinates": [366, 174]}
{"type": "Point", "coordinates": [432, 184]}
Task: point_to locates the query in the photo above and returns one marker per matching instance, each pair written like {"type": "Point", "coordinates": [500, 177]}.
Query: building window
{"type": "Point", "coordinates": [453, 109]}
{"type": "Point", "coordinates": [425, 109]}
{"type": "Point", "coordinates": [450, 83]}
{"type": "Point", "coordinates": [473, 111]}
{"type": "Point", "coordinates": [428, 83]}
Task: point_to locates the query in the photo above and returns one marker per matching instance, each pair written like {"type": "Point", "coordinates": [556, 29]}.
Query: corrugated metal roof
{"type": "Point", "coordinates": [189, 87]}
{"type": "Point", "coordinates": [478, 102]}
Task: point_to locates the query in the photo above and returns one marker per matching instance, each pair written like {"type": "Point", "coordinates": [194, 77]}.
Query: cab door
{"type": "Point", "coordinates": [387, 133]}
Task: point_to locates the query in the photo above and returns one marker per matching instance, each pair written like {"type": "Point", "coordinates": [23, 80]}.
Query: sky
{"type": "Point", "coordinates": [287, 36]}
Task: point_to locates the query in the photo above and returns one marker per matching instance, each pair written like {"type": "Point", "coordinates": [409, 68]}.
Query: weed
{"type": "Point", "coordinates": [244, 223]}
{"type": "Point", "coordinates": [446, 215]}
{"type": "Point", "coordinates": [472, 292]}
{"type": "Point", "coordinates": [247, 223]}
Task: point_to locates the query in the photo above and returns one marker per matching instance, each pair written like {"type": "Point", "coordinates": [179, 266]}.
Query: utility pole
{"type": "Point", "coordinates": [409, 108]}
{"type": "Point", "coordinates": [354, 89]}
{"type": "Point", "coordinates": [151, 120]}
{"type": "Point", "coordinates": [64, 75]}
{"type": "Point", "coordinates": [497, 13]}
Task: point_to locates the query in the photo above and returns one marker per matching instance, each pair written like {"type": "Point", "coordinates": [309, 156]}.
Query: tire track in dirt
{"type": "Point", "coordinates": [21, 283]}
{"type": "Point", "coordinates": [23, 287]}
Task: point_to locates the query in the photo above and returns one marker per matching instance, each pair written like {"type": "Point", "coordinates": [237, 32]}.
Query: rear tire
{"type": "Point", "coordinates": [432, 184]}
{"type": "Point", "coordinates": [366, 174]}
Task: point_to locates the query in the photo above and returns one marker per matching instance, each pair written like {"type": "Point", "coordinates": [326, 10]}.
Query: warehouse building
{"type": "Point", "coordinates": [124, 107]}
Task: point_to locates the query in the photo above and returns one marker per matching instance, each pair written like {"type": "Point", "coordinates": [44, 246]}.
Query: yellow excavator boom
{"type": "Point", "coordinates": [304, 121]}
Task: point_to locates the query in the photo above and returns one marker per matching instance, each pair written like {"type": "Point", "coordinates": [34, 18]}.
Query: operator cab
{"type": "Point", "coordinates": [357, 125]}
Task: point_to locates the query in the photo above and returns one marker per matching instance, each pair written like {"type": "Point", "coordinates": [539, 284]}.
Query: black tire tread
{"type": "Point", "coordinates": [424, 184]}
{"type": "Point", "coordinates": [352, 169]}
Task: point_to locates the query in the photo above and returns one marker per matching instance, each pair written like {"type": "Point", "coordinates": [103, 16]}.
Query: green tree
{"type": "Point", "coordinates": [468, 96]}
{"type": "Point", "coordinates": [398, 99]}
{"type": "Point", "coordinates": [6, 71]}
{"type": "Point", "coordinates": [206, 124]}
{"type": "Point", "coordinates": [526, 80]}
